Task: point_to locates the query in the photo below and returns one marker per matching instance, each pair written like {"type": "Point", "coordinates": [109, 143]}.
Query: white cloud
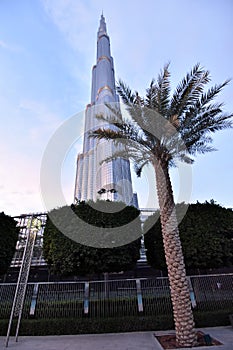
{"type": "Point", "coordinates": [20, 175]}
{"type": "Point", "coordinates": [21, 152]}
{"type": "Point", "coordinates": [9, 47]}
{"type": "Point", "coordinates": [3, 44]}
{"type": "Point", "coordinates": [74, 19]}
{"type": "Point", "coordinates": [44, 120]}
{"type": "Point", "coordinates": [26, 129]}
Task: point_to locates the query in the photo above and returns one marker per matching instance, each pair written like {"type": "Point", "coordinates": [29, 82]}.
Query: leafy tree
{"type": "Point", "coordinates": [8, 237]}
{"type": "Point", "coordinates": [153, 241]}
{"type": "Point", "coordinates": [164, 127]}
{"type": "Point", "coordinates": [206, 234]}
{"type": "Point", "coordinates": [69, 257]}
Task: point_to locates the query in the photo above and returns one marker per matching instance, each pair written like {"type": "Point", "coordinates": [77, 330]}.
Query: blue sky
{"type": "Point", "coordinates": [47, 50]}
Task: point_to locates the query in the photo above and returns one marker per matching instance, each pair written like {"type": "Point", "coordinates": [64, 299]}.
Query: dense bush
{"type": "Point", "coordinates": [213, 318]}
{"type": "Point", "coordinates": [90, 326]}
{"type": "Point", "coordinates": [8, 238]}
{"type": "Point", "coordinates": [67, 257]}
{"type": "Point", "coordinates": [112, 325]}
{"type": "Point", "coordinates": [206, 233]}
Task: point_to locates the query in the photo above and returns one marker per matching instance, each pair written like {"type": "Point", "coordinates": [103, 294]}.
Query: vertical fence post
{"type": "Point", "coordinates": [34, 300]}
{"type": "Point", "coordinates": [86, 298]}
{"type": "Point", "coordinates": [191, 293]}
{"type": "Point", "coordinates": [139, 295]}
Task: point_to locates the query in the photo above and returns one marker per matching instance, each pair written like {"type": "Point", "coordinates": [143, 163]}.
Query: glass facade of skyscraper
{"type": "Point", "coordinates": [95, 178]}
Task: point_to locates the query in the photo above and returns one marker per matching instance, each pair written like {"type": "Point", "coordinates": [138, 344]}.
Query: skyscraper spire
{"type": "Point", "coordinates": [102, 28]}
{"type": "Point", "coordinates": [94, 178]}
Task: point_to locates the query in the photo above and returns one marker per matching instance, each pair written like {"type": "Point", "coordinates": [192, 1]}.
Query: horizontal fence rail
{"type": "Point", "coordinates": [112, 298]}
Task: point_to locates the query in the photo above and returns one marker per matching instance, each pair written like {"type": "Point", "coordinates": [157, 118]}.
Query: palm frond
{"type": "Point", "coordinates": [138, 166]}
{"type": "Point", "coordinates": [162, 126]}
{"type": "Point", "coordinates": [151, 94]}
{"type": "Point", "coordinates": [185, 158]}
{"type": "Point", "coordinates": [211, 94]}
{"type": "Point", "coordinates": [106, 134]}
{"type": "Point", "coordinates": [209, 120]}
{"type": "Point", "coordinates": [189, 90]}
{"type": "Point", "coordinates": [197, 138]}
{"type": "Point", "coordinates": [201, 146]}
{"type": "Point", "coordinates": [123, 134]}
{"type": "Point", "coordinates": [125, 92]}
{"type": "Point", "coordinates": [129, 150]}
{"type": "Point", "coordinates": [158, 94]}
{"type": "Point", "coordinates": [142, 116]}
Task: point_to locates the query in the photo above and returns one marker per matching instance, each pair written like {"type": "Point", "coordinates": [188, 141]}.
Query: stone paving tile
{"type": "Point", "coordinates": [116, 341]}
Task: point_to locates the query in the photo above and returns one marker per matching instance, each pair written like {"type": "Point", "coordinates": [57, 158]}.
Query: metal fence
{"type": "Point", "coordinates": [214, 292]}
{"type": "Point", "coordinates": [128, 297]}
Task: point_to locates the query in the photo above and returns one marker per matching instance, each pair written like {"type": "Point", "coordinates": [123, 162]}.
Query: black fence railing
{"type": "Point", "coordinates": [128, 297]}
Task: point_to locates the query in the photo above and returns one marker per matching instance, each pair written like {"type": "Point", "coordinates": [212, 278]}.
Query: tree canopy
{"type": "Point", "coordinates": [206, 234]}
{"type": "Point", "coordinates": [68, 257]}
{"type": "Point", "coordinates": [8, 237]}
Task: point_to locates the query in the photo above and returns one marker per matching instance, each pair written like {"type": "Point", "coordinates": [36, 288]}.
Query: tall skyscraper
{"type": "Point", "coordinates": [107, 180]}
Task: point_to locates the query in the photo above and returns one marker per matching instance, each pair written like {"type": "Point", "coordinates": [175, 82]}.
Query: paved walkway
{"type": "Point", "coordinates": [117, 341]}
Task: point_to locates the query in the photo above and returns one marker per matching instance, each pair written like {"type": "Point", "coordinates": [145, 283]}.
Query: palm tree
{"type": "Point", "coordinates": [162, 128]}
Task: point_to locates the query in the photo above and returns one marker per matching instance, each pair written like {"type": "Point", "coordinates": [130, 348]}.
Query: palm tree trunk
{"type": "Point", "coordinates": [183, 316]}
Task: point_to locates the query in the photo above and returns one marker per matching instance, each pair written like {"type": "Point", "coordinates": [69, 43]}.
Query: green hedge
{"type": "Point", "coordinates": [112, 325]}
{"type": "Point", "coordinates": [213, 305]}
{"type": "Point", "coordinates": [89, 326]}
{"type": "Point", "coordinates": [212, 318]}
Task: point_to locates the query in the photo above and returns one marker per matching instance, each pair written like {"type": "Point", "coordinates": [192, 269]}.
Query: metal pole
{"type": "Point", "coordinates": [17, 307]}
{"type": "Point", "coordinates": [17, 289]}
{"type": "Point", "coordinates": [32, 236]}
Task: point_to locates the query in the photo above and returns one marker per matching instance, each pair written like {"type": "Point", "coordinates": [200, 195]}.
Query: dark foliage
{"type": "Point", "coordinates": [111, 325]}
{"type": "Point", "coordinates": [206, 234]}
{"type": "Point", "coordinates": [67, 257]}
{"type": "Point", "coordinates": [8, 237]}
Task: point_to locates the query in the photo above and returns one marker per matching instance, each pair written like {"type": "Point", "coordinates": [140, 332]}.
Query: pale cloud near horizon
{"type": "Point", "coordinates": [34, 125]}
{"type": "Point", "coordinates": [45, 121]}
{"type": "Point", "coordinates": [21, 181]}
{"type": "Point", "coordinates": [31, 121]}
{"type": "Point", "coordinates": [20, 162]}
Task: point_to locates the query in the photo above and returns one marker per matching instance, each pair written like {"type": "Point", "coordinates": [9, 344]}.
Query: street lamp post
{"type": "Point", "coordinates": [103, 190]}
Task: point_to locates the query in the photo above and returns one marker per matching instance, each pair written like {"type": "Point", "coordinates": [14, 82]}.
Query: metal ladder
{"type": "Point", "coordinates": [20, 292]}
